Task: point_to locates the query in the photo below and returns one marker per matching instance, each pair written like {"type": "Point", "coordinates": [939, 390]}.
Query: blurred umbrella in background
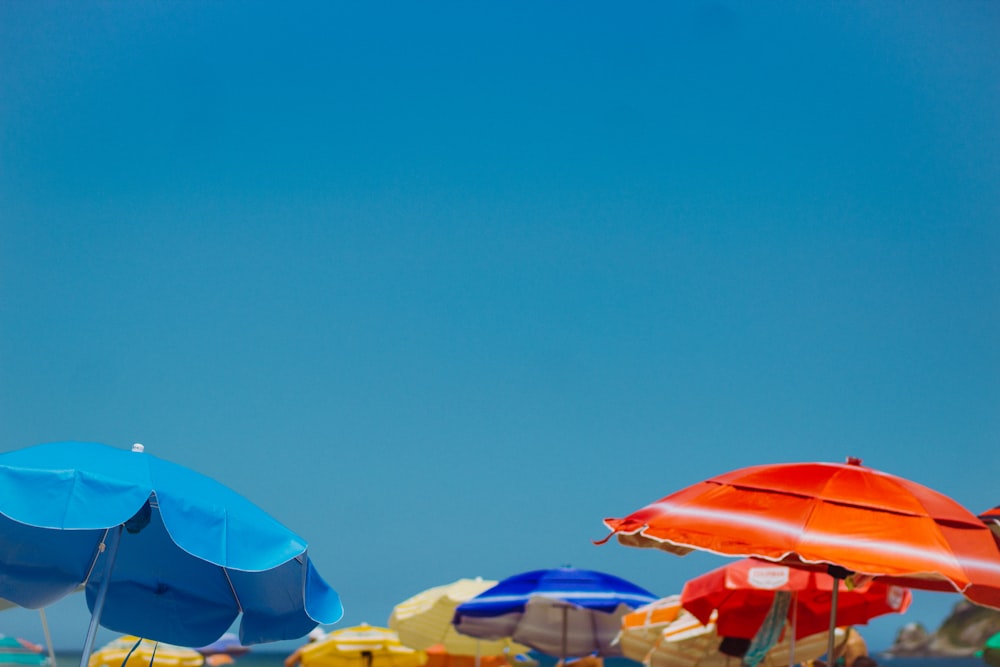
{"type": "Point", "coordinates": [359, 646]}
{"type": "Point", "coordinates": [228, 644]}
{"type": "Point", "coordinates": [131, 651]}
{"type": "Point", "coordinates": [991, 518]}
{"type": "Point", "coordinates": [564, 612]}
{"type": "Point", "coordinates": [647, 637]}
{"type": "Point", "coordinates": [17, 652]}
{"type": "Point", "coordinates": [424, 620]}
{"type": "Point", "coordinates": [739, 595]}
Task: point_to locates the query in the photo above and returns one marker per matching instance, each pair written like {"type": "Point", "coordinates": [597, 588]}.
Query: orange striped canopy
{"type": "Point", "coordinates": [817, 515]}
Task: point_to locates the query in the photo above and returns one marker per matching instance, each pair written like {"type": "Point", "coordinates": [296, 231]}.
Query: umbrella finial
{"type": "Point", "coordinates": [137, 447]}
{"type": "Point", "coordinates": [853, 461]}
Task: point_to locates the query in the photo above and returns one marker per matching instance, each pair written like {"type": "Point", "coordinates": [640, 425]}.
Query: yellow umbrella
{"type": "Point", "coordinates": [424, 620]}
{"type": "Point", "coordinates": [144, 653]}
{"type": "Point", "coordinates": [361, 646]}
{"type": "Point", "coordinates": [685, 642]}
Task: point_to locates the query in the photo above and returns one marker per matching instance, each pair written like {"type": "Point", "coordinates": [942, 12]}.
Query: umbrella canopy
{"type": "Point", "coordinates": [130, 651]}
{"type": "Point", "coordinates": [17, 652]}
{"type": "Point", "coordinates": [852, 520]}
{"type": "Point", "coordinates": [686, 642]}
{"type": "Point", "coordinates": [360, 646]}
{"type": "Point", "coordinates": [991, 518]}
{"type": "Point", "coordinates": [566, 612]}
{"type": "Point", "coordinates": [227, 644]}
{"type": "Point", "coordinates": [828, 514]}
{"type": "Point", "coordinates": [424, 620]}
{"type": "Point", "coordinates": [165, 553]}
{"type": "Point", "coordinates": [739, 595]}
{"type": "Point", "coordinates": [641, 629]}
{"type": "Point", "coordinates": [437, 656]}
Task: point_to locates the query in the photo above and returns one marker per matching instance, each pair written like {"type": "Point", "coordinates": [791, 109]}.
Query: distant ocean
{"type": "Point", "coordinates": [272, 659]}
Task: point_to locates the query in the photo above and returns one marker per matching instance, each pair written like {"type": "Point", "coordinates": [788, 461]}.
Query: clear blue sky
{"type": "Point", "coordinates": [442, 285]}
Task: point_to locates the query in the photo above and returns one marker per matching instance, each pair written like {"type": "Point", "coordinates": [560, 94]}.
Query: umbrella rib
{"type": "Point", "coordinates": [97, 554]}
{"type": "Point", "coordinates": [225, 572]}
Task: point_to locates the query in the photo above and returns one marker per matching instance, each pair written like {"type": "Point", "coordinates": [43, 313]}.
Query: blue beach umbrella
{"type": "Point", "coordinates": [164, 552]}
{"type": "Point", "coordinates": [565, 612]}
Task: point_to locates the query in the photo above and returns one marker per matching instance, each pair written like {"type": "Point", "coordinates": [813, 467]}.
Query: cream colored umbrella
{"type": "Point", "coordinates": [424, 620]}
{"type": "Point", "coordinates": [685, 642]}
{"type": "Point", "coordinates": [642, 628]}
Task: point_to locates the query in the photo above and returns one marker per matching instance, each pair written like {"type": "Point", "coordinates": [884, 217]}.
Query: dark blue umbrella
{"type": "Point", "coordinates": [164, 552]}
{"type": "Point", "coordinates": [566, 612]}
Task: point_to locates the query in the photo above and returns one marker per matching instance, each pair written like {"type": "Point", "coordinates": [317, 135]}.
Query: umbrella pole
{"type": "Point", "coordinates": [477, 653]}
{"type": "Point", "coordinates": [837, 573]}
{"type": "Point", "coordinates": [795, 621]}
{"type": "Point", "coordinates": [48, 636]}
{"type": "Point", "coordinates": [102, 594]}
{"type": "Point", "coordinates": [565, 614]}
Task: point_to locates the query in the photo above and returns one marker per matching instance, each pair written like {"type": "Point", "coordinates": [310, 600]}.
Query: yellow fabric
{"type": "Point", "coordinates": [113, 654]}
{"type": "Point", "coordinates": [360, 646]}
{"type": "Point", "coordinates": [425, 620]}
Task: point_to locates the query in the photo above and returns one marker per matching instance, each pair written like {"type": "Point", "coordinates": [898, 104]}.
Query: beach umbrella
{"type": "Point", "coordinates": [437, 656]}
{"type": "Point", "coordinates": [227, 644]}
{"type": "Point", "coordinates": [739, 595]}
{"type": "Point", "coordinates": [424, 620]}
{"type": "Point", "coordinates": [7, 604]}
{"type": "Point", "coordinates": [359, 646]}
{"type": "Point", "coordinates": [641, 629]}
{"type": "Point", "coordinates": [850, 520]}
{"type": "Point", "coordinates": [17, 652]}
{"type": "Point", "coordinates": [131, 651]}
{"type": "Point", "coordinates": [991, 518]}
{"type": "Point", "coordinates": [165, 553]}
{"type": "Point", "coordinates": [565, 612]}
{"type": "Point", "coordinates": [685, 641]}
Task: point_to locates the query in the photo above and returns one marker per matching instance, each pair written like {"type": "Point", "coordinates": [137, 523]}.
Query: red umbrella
{"type": "Point", "coordinates": [741, 594]}
{"type": "Point", "coordinates": [848, 519]}
{"type": "Point", "coordinates": [991, 518]}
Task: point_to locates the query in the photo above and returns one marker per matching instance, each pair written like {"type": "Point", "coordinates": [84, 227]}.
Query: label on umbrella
{"type": "Point", "coordinates": [767, 578]}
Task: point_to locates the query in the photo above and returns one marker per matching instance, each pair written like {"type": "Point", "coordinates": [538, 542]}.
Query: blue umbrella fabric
{"type": "Point", "coordinates": [565, 612]}
{"type": "Point", "coordinates": [164, 552]}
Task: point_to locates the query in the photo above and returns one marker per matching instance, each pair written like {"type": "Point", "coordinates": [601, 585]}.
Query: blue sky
{"type": "Point", "coordinates": [442, 285]}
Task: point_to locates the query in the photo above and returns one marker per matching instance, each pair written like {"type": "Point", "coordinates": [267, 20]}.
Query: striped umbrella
{"type": "Point", "coordinates": [424, 620]}
{"type": "Point", "coordinates": [847, 519]}
{"type": "Point", "coordinates": [565, 612]}
{"type": "Point", "coordinates": [359, 646]}
{"type": "Point", "coordinates": [686, 642]}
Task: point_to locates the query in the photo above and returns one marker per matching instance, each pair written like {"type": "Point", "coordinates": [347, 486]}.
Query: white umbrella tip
{"type": "Point", "coordinates": [137, 447]}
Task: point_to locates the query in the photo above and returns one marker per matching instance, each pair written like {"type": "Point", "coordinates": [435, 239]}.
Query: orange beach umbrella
{"type": "Point", "coordinates": [845, 518]}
